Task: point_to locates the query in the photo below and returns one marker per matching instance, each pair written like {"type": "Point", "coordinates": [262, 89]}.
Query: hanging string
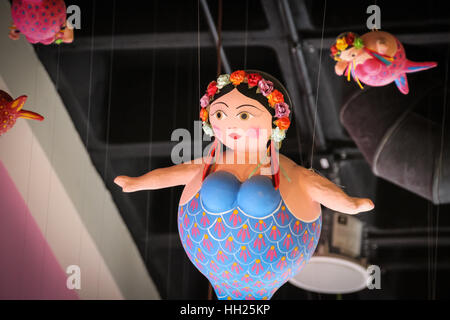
{"type": "Point", "coordinates": [216, 144]}
{"type": "Point", "coordinates": [444, 115]}
{"type": "Point", "coordinates": [429, 247]}
{"type": "Point", "coordinates": [199, 85]}
{"type": "Point", "coordinates": [214, 149]}
{"type": "Point", "coordinates": [219, 38]}
{"type": "Point", "coordinates": [375, 29]}
{"type": "Point", "coordinates": [107, 131]}
{"type": "Point", "coordinates": [246, 35]}
{"type": "Point", "coordinates": [53, 122]}
{"type": "Point", "coordinates": [174, 123]}
{"type": "Point", "coordinates": [88, 122]}
{"type": "Point", "coordinates": [318, 84]}
{"type": "Point", "coordinates": [198, 49]}
{"type": "Point", "coordinates": [150, 136]}
{"type": "Point", "coordinates": [185, 266]}
{"type": "Point", "coordinates": [35, 95]}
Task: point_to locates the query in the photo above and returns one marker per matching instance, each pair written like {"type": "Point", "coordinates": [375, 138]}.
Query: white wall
{"type": "Point", "coordinates": [65, 194]}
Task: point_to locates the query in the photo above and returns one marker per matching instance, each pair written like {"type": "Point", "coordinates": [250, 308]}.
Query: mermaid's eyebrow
{"type": "Point", "coordinates": [219, 103]}
{"type": "Point", "coordinates": [248, 105]}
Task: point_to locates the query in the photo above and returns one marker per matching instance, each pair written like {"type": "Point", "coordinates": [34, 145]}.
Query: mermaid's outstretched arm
{"type": "Point", "coordinates": [160, 178]}
{"type": "Point", "coordinates": [331, 196]}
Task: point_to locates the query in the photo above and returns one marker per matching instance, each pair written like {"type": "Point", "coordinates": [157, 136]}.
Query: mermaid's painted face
{"type": "Point", "coordinates": [239, 122]}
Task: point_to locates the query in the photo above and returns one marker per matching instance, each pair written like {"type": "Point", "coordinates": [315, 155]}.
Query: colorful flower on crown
{"type": "Point", "coordinates": [266, 87]}
{"type": "Point", "coordinates": [212, 89]}
{"type": "Point", "coordinates": [334, 50]}
{"type": "Point", "coordinates": [207, 129]}
{"type": "Point", "coordinates": [283, 123]}
{"type": "Point", "coordinates": [349, 38]}
{"type": "Point", "coordinates": [358, 43]}
{"type": "Point", "coordinates": [345, 42]}
{"type": "Point", "coordinates": [282, 110]}
{"type": "Point", "coordinates": [275, 97]}
{"type": "Point", "coordinates": [278, 135]}
{"type": "Point", "coordinates": [253, 79]}
{"type": "Point", "coordinates": [341, 44]}
{"type": "Point", "coordinates": [223, 80]}
{"type": "Point", "coordinates": [204, 114]}
{"type": "Point", "coordinates": [204, 101]}
{"type": "Point", "coordinates": [237, 77]}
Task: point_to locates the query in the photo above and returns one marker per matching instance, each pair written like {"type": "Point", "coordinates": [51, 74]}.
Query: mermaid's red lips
{"type": "Point", "coordinates": [235, 136]}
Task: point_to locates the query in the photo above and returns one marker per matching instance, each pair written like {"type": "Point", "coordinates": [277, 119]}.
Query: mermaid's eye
{"type": "Point", "coordinates": [244, 115]}
{"type": "Point", "coordinates": [220, 115]}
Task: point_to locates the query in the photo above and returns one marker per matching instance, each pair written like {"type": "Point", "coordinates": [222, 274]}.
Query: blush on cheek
{"type": "Point", "coordinates": [253, 132]}
{"type": "Point", "coordinates": [217, 131]}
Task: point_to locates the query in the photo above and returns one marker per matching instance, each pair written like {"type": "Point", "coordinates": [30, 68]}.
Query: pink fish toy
{"type": "Point", "coordinates": [40, 21]}
{"type": "Point", "coordinates": [11, 110]}
{"type": "Point", "coordinates": [376, 58]}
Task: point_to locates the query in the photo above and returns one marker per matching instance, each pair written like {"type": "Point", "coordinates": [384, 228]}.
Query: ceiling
{"type": "Point", "coordinates": [134, 74]}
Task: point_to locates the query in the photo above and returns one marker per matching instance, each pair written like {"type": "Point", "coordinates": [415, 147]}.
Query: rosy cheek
{"type": "Point", "coordinates": [217, 131]}
{"type": "Point", "coordinates": [253, 132]}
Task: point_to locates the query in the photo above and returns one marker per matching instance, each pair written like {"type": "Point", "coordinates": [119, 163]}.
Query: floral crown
{"type": "Point", "coordinates": [274, 97]}
{"type": "Point", "coordinates": [344, 42]}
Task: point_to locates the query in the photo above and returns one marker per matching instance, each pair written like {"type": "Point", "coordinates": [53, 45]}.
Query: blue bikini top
{"type": "Point", "coordinates": [221, 191]}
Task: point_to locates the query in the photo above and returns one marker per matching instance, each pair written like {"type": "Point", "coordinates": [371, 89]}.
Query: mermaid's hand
{"type": "Point", "coordinates": [14, 33]}
{"type": "Point", "coordinates": [68, 34]}
{"type": "Point", "coordinates": [330, 195]}
{"type": "Point", "coordinates": [363, 204]}
{"type": "Point", "coordinates": [128, 184]}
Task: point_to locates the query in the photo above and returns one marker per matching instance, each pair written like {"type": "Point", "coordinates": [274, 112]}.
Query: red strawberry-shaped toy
{"type": "Point", "coordinates": [11, 110]}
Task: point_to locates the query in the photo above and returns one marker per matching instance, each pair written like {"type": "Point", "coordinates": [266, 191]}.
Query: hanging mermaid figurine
{"type": "Point", "coordinates": [40, 21]}
{"type": "Point", "coordinates": [249, 218]}
{"type": "Point", "coordinates": [376, 58]}
{"type": "Point", "coordinates": [11, 110]}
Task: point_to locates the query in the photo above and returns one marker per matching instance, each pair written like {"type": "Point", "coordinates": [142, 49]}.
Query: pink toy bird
{"type": "Point", "coordinates": [376, 58]}
{"type": "Point", "coordinates": [40, 21]}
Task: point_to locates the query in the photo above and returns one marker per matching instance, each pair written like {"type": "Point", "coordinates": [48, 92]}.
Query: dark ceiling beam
{"type": "Point", "coordinates": [215, 35]}
{"type": "Point", "coordinates": [412, 39]}
{"type": "Point", "coordinates": [413, 265]}
{"type": "Point", "coordinates": [297, 46]}
{"type": "Point", "coordinates": [403, 231]}
{"type": "Point", "coordinates": [403, 241]}
{"type": "Point", "coordinates": [288, 69]}
{"type": "Point", "coordinates": [229, 38]}
{"type": "Point", "coordinates": [173, 40]}
{"type": "Point", "coordinates": [300, 10]}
